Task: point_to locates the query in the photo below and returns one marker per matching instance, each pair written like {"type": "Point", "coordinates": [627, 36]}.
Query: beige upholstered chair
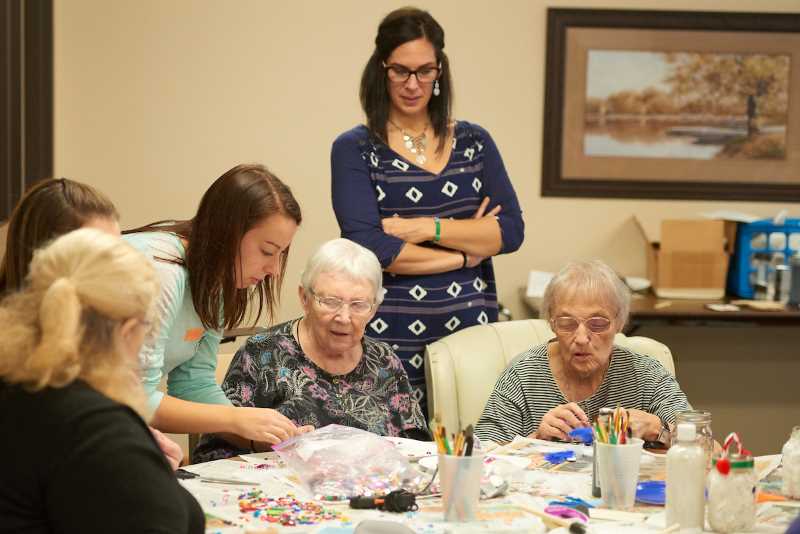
{"type": "Point", "coordinates": [462, 368]}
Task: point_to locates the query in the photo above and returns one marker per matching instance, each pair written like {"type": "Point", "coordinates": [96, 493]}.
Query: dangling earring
{"type": "Point", "coordinates": [436, 91]}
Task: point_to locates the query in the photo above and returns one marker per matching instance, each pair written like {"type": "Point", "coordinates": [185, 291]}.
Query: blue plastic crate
{"type": "Point", "coordinates": [779, 242]}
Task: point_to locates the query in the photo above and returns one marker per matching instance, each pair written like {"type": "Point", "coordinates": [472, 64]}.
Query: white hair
{"type": "Point", "coordinates": [593, 280]}
{"type": "Point", "coordinates": [342, 256]}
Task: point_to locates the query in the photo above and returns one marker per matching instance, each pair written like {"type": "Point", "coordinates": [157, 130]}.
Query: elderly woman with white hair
{"type": "Point", "coordinates": [320, 369]}
{"type": "Point", "coordinates": [561, 385]}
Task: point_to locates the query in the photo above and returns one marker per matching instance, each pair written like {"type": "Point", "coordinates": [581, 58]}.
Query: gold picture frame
{"type": "Point", "coordinates": [686, 125]}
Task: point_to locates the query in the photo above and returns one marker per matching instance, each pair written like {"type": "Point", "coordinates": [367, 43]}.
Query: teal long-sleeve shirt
{"type": "Point", "coordinates": [181, 347]}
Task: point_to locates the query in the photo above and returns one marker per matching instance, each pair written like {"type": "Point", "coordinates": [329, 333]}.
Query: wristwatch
{"type": "Point", "coordinates": [664, 435]}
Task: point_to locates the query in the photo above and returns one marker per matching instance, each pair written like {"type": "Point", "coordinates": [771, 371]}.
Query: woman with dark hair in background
{"type": "Point", "coordinates": [230, 255]}
{"type": "Point", "coordinates": [47, 210]}
{"type": "Point", "coordinates": [428, 195]}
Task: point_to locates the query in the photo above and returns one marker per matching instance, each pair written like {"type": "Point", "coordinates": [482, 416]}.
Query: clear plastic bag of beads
{"type": "Point", "coordinates": [336, 462]}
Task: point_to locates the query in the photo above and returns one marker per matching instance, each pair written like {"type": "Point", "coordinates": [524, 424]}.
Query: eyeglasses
{"type": "Point", "coordinates": [334, 304]}
{"type": "Point", "coordinates": [568, 325]}
{"type": "Point", "coordinates": [400, 74]}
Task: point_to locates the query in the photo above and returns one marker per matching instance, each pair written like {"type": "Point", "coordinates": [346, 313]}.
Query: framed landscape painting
{"type": "Point", "coordinates": [669, 104]}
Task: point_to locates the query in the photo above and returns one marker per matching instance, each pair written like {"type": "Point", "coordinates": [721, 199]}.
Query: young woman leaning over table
{"type": "Point", "coordinates": [82, 459]}
{"type": "Point", "coordinates": [229, 256]}
{"type": "Point", "coordinates": [51, 208]}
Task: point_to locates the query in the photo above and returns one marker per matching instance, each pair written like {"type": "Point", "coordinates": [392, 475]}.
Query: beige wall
{"type": "Point", "coordinates": [156, 98]}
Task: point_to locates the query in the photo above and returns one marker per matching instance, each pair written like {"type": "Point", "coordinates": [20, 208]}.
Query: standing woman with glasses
{"type": "Point", "coordinates": [230, 256]}
{"type": "Point", "coordinates": [321, 369]}
{"type": "Point", "coordinates": [428, 195]}
{"type": "Point", "coordinates": [561, 385]}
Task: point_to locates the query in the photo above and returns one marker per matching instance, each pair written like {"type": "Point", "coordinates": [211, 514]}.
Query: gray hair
{"type": "Point", "coordinates": [342, 256]}
{"type": "Point", "coordinates": [594, 280]}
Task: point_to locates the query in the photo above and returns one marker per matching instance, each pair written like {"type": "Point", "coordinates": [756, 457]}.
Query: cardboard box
{"type": "Point", "coordinates": [691, 259]}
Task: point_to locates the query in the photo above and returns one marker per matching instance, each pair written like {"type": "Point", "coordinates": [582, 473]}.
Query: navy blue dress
{"type": "Point", "coordinates": [370, 181]}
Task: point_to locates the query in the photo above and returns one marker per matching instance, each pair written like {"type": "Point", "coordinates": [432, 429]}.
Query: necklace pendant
{"type": "Point", "coordinates": [421, 159]}
{"type": "Point", "coordinates": [409, 144]}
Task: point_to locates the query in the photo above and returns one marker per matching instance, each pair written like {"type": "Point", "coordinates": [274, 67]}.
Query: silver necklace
{"type": "Point", "coordinates": [415, 144]}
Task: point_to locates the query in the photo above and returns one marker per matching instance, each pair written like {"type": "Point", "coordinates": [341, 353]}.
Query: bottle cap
{"type": "Point", "coordinates": [686, 432]}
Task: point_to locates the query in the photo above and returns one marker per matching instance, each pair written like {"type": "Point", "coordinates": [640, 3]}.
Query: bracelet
{"type": "Point", "coordinates": [664, 434]}
{"type": "Point", "coordinates": [438, 235]}
{"type": "Point", "coordinates": [463, 255]}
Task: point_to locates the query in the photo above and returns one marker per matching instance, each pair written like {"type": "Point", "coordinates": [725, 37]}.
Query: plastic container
{"type": "Point", "coordinates": [618, 472]}
{"type": "Point", "coordinates": [701, 420]}
{"type": "Point", "coordinates": [602, 419]}
{"type": "Point", "coordinates": [732, 489]}
{"type": "Point", "coordinates": [761, 245]}
{"type": "Point", "coordinates": [794, 281]}
{"type": "Point", "coordinates": [791, 465]}
{"type": "Point", "coordinates": [686, 477]}
{"type": "Point", "coordinates": [460, 479]}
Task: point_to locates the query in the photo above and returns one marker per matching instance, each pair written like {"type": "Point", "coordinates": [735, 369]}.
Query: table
{"type": "Point", "coordinates": [649, 309]}
{"type": "Point", "coordinates": [532, 487]}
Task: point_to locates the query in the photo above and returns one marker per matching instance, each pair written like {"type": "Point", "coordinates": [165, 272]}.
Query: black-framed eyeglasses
{"type": "Point", "coordinates": [568, 325]}
{"type": "Point", "coordinates": [400, 74]}
{"type": "Point", "coordinates": [334, 304]}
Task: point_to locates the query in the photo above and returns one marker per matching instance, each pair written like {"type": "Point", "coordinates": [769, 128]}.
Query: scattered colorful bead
{"type": "Point", "coordinates": [287, 510]}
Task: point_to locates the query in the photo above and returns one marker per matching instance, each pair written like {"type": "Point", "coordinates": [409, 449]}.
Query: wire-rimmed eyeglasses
{"type": "Point", "coordinates": [334, 304]}
{"type": "Point", "coordinates": [567, 324]}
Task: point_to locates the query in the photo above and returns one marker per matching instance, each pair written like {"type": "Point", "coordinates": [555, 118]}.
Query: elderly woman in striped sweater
{"type": "Point", "coordinates": [561, 385]}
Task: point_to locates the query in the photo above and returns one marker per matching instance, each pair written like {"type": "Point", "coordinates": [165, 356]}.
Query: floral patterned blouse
{"type": "Point", "coordinates": [271, 371]}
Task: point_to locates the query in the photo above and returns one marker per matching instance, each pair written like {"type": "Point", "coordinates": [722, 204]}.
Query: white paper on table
{"type": "Point", "coordinates": [766, 465]}
{"type": "Point", "coordinates": [537, 282]}
{"type": "Point", "coordinates": [271, 459]}
{"type": "Point", "coordinates": [412, 448]}
{"type": "Point", "coordinates": [225, 468]}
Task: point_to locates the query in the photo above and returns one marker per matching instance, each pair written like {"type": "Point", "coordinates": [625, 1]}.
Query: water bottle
{"type": "Point", "coordinates": [686, 474]}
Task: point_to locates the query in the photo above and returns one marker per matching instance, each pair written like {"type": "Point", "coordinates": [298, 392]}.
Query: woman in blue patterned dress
{"type": "Point", "coordinates": [428, 195]}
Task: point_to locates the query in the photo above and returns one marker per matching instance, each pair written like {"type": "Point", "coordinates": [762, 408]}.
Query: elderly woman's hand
{"type": "Point", "coordinates": [644, 425]}
{"type": "Point", "coordinates": [558, 422]}
{"type": "Point", "coordinates": [262, 424]}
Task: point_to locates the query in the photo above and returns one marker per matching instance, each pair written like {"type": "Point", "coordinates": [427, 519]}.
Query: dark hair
{"type": "Point", "coordinates": [48, 209]}
{"type": "Point", "coordinates": [236, 202]}
{"type": "Point", "coordinates": [399, 27]}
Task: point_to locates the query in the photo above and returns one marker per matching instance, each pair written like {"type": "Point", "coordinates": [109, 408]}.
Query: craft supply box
{"type": "Point", "coordinates": [689, 257]}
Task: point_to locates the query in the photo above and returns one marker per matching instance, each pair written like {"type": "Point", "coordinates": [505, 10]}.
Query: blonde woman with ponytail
{"type": "Point", "coordinates": [70, 392]}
